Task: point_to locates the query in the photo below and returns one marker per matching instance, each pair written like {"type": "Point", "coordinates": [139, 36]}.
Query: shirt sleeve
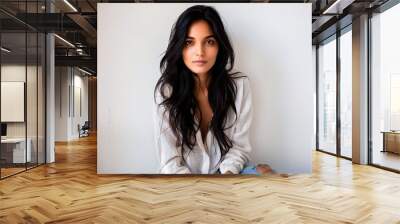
{"type": "Point", "coordinates": [169, 155]}
{"type": "Point", "coordinates": [238, 155]}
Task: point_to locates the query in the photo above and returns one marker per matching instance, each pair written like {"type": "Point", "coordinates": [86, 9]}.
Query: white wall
{"type": "Point", "coordinates": [61, 103]}
{"type": "Point", "coordinates": [68, 82]}
{"type": "Point", "coordinates": [273, 47]}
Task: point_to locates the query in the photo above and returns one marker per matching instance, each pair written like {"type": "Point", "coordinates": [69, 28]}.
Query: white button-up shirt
{"type": "Point", "coordinates": [205, 156]}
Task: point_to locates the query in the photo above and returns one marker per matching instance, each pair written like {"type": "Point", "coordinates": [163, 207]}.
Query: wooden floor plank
{"type": "Point", "coordinates": [70, 191]}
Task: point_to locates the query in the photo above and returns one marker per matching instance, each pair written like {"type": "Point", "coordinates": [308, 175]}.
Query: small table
{"type": "Point", "coordinates": [391, 141]}
{"type": "Point", "coordinates": [17, 150]}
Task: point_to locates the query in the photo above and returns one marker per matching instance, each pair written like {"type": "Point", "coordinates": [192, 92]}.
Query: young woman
{"type": "Point", "coordinates": [204, 110]}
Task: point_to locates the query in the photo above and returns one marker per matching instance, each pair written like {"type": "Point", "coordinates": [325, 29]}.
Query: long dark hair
{"type": "Point", "coordinates": [181, 104]}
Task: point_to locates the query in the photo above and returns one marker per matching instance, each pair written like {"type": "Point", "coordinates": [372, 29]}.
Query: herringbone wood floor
{"type": "Point", "coordinates": [70, 191]}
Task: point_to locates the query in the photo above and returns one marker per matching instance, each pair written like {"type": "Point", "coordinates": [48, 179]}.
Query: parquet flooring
{"type": "Point", "coordinates": [70, 191]}
{"type": "Point", "coordinates": [10, 171]}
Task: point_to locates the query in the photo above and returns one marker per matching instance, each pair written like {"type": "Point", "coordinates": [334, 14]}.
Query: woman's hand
{"type": "Point", "coordinates": [263, 169]}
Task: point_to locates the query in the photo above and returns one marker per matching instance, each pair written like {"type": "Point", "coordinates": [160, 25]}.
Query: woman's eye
{"type": "Point", "coordinates": [188, 42]}
{"type": "Point", "coordinates": [211, 42]}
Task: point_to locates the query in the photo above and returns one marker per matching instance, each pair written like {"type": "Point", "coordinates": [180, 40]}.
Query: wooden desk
{"type": "Point", "coordinates": [391, 141]}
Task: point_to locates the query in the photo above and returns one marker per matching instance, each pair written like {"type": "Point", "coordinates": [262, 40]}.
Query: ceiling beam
{"type": "Point", "coordinates": [84, 24]}
{"type": "Point", "coordinates": [85, 61]}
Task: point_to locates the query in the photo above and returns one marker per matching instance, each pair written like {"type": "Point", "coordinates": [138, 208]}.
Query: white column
{"type": "Point", "coordinates": [50, 110]}
{"type": "Point", "coordinates": [50, 92]}
{"type": "Point", "coordinates": [360, 90]}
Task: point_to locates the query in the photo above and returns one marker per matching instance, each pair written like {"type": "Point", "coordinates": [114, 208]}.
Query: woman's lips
{"type": "Point", "coordinates": [199, 62]}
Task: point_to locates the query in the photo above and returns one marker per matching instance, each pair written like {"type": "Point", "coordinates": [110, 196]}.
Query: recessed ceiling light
{"type": "Point", "coordinates": [5, 50]}
{"type": "Point", "coordinates": [337, 7]}
{"type": "Point", "coordinates": [70, 5]}
{"type": "Point", "coordinates": [334, 7]}
{"type": "Point", "coordinates": [64, 40]}
{"type": "Point", "coordinates": [84, 71]}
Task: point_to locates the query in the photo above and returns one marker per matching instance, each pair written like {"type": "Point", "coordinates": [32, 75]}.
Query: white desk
{"type": "Point", "coordinates": [19, 149]}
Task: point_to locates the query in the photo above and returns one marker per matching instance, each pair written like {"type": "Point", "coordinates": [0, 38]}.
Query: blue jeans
{"type": "Point", "coordinates": [249, 169]}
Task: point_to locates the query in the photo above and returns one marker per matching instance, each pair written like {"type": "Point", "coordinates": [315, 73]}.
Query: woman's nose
{"type": "Point", "coordinates": [199, 50]}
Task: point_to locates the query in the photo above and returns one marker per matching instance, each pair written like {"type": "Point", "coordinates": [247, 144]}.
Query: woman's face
{"type": "Point", "coordinates": [200, 49]}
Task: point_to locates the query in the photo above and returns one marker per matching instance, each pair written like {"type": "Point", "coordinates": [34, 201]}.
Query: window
{"type": "Point", "coordinates": [327, 96]}
{"type": "Point", "coordinates": [385, 88]}
{"type": "Point", "coordinates": [346, 93]}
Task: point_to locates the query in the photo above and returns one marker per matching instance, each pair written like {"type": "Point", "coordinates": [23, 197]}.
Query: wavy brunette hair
{"type": "Point", "coordinates": [181, 103]}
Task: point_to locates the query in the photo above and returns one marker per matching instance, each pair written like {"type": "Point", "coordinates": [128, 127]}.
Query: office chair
{"type": "Point", "coordinates": [84, 130]}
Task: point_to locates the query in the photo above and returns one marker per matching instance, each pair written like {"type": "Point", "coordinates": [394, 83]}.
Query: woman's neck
{"type": "Point", "coordinates": [202, 81]}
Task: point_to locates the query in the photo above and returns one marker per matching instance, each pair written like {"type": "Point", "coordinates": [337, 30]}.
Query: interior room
{"type": "Point", "coordinates": [80, 142]}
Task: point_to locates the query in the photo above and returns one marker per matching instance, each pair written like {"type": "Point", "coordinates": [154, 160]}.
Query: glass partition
{"type": "Point", "coordinates": [22, 101]}
{"type": "Point", "coordinates": [13, 109]}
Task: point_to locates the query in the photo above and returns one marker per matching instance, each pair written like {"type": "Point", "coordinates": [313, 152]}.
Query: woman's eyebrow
{"type": "Point", "coordinates": [204, 37]}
